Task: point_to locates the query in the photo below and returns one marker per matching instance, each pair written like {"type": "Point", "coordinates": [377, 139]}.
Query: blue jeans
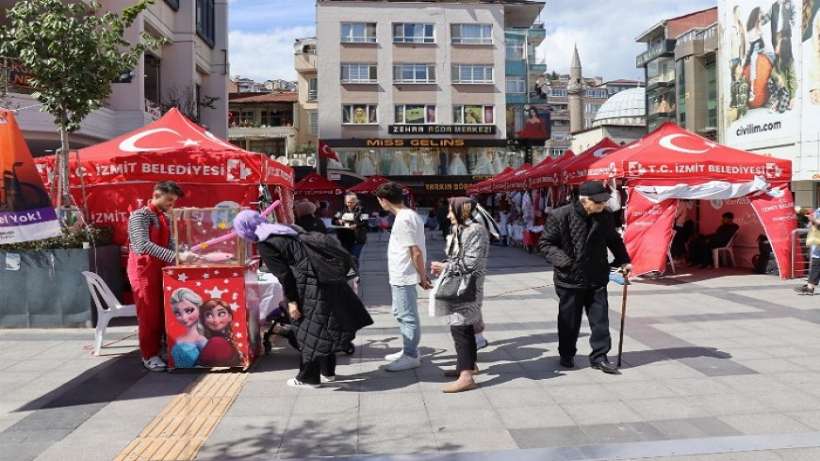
{"type": "Point", "coordinates": [406, 311]}
{"type": "Point", "coordinates": [356, 251]}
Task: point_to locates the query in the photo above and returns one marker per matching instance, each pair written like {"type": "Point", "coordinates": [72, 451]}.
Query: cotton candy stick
{"type": "Point", "coordinates": [231, 234]}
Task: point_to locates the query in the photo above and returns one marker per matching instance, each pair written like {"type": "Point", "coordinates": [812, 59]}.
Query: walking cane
{"type": "Point", "coordinates": [621, 280]}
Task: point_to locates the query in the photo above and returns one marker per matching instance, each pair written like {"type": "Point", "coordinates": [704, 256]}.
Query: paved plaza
{"type": "Point", "coordinates": [719, 365]}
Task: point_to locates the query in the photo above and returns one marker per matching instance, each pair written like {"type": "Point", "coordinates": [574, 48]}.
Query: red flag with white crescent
{"type": "Point", "coordinates": [326, 152]}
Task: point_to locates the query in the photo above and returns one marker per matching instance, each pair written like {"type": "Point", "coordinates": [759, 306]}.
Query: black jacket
{"type": "Point", "coordinates": [331, 313]}
{"type": "Point", "coordinates": [576, 243]}
{"type": "Point", "coordinates": [351, 236]}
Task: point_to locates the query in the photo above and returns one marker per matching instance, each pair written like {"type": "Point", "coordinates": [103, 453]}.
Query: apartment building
{"type": "Point", "coordinates": [523, 102]}
{"type": "Point", "coordinates": [192, 65]}
{"type": "Point", "coordinates": [679, 65]}
{"type": "Point", "coordinates": [415, 90]}
{"type": "Point", "coordinates": [264, 122]}
{"type": "Point", "coordinates": [307, 107]}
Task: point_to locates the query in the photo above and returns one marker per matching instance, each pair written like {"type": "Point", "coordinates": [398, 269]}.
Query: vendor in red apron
{"type": "Point", "coordinates": [152, 248]}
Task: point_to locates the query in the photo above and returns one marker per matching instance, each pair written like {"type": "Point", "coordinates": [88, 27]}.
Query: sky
{"type": "Point", "coordinates": [262, 34]}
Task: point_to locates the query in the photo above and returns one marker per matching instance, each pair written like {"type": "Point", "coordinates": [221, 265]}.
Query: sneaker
{"type": "Point", "coordinates": [328, 379]}
{"type": "Point", "coordinates": [394, 356]}
{"type": "Point", "coordinates": [405, 362]}
{"type": "Point", "coordinates": [804, 290]}
{"type": "Point", "coordinates": [154, 364]}
{"type": "Point", "coordinates": [481, 342]}
{"type": "Point", "coordinates": [293, 382]}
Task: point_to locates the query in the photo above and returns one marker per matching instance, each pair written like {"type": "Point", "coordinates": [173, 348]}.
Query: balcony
{"type": "Point", "coordinates": [666, 79]}
{"type": "Point", "coordinates": [536, 34]}
{"type": "Point", "coordinates": [656, 50]}
{"type": "Point", "coordinates": [305, 62]}
{"type": "Point", "coordinates": [263, 132]}
{"type": "Point", "coordinates": [538, 68]}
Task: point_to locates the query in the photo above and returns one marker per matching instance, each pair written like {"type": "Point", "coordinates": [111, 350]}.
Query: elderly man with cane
{"type": "Point", "coordinates": [575, 240]}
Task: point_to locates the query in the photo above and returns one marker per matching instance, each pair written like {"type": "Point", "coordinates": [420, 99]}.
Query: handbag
{"type": "Point", "coordinates": [457, 283]}
{"type": "Point", "coordinates": [813, 237]}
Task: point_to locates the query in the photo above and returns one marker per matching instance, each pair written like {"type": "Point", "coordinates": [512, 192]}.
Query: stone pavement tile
{"type": "Point", "coordinates": [753, 383]}
{"type": "Point", "coordinates": [799, 454]}
{"type": "Point", "coordinates": [517, 398]}
{"type": "Point", "coordinates": [571, 436]}
{"type": "Point", "coordinates": [370, 404]}
{"type": "Point", "coordinates": [809, 363]}
{"type": "Point", "coordinates": [765, 423]}
{"type": "Point", "coordinates": [397, 441]}
{"type": "Point", "coordinates": [239, 438]}
{"type": "Point", "coordinates": [438, 402]}
{"type": "Point", "coordinates": [768, 365]}
{"type": "Point", "coordinates": [475, 440]}
{"type": "Point", "coordinates": [33, 365]}
{"type": "Point", "coordinates": [248, 406]}
{"type": "Point", "coordinates": [670, 370]}
{"type": "Point", "coordinates": [389, 419]}
{"type": "Point", "coordinates": [21, 451]}
{"type": "Point", "coordinates": [733, 404]}
{"type": "Point", "coordinates": [791, 400]}
{"type": "Point", "coordinates": [600, 413]}
{"type": "Point", "coordinates": [478, 418]}
{"type": "Point", "coordinates": [619, 433]}
{"type": "Point", "coordinates": [808, 418]}
{"type": "Point", "coordinates": [334, 402]}
{"type": "Point", "coordinates": [583, 393]}
{"type": "Point", "coordinates": [697, 386]}
{"type": "Point", "coordinates": [639, 390]}
{"type": "Point", "coordinates": [668, 408]}
{"type": "Point", "coordinates": [314, 444]}
{"type": "Point", "coordinates": [786, 351]}
{"type": "Point", "coordinates": [394, 382]}
{"type": "Point", "coordinates": [694, 428]}
{"type": "Point", "coordinates": [534, 417]}
{"type": "Point", "coordinates": [90, 444]}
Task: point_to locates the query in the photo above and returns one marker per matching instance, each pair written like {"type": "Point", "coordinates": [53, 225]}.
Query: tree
{"type": "Point", "coordinates": [72, 53]}
{"type": "Point", "coordinates": [188, 102]}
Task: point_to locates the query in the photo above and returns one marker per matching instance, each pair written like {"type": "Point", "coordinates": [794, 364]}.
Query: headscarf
{"type": "Point", "coordinates": [465, 206]}
{"type": "Point", "coordinates": [250, 225]}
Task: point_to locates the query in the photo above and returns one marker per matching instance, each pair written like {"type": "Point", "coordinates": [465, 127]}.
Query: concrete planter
{"type": "Point", "coordinates": [48, 290]}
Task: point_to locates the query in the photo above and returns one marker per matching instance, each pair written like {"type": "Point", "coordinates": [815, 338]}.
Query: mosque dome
{"type": "Point", "coordinates": [627, 108]}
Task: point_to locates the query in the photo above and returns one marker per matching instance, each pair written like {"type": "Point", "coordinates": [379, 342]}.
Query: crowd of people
{"type": "Point", "coordinates": [315, 269]}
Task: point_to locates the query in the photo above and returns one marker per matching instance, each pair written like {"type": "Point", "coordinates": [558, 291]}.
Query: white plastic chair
{"type": "Point", "coordinates": [728, 250]}
{"type": "Point", "coordinates": [108, 306]}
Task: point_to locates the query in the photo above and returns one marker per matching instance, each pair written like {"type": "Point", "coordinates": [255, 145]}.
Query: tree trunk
{"type": "Point", "coordinates": [63, 186]}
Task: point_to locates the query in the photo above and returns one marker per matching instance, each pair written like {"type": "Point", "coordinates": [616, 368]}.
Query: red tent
{"type": "Point", "coordinates": [515, 181]}
{"type": "Point", "coordinates": [548, 175]}
{"type": "Point", "coordinates": [315, 184]}
{"type": "Point", "coordinates": [369, 185]}
{"type": "Point", "coordinates": [575, 171]}
{"type": "Point", "coordinates": [117, 176]}
{"type": "Point", "coordinates": [672, 164]}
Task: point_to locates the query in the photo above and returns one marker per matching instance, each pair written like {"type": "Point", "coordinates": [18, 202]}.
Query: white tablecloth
{"type": "Point", "coordinates": [263, 293]}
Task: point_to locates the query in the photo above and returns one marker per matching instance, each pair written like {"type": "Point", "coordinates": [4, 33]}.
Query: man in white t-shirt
{"type": "Point", "coordinates": [406, 255]}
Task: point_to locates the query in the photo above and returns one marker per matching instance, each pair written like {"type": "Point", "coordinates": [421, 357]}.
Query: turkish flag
{"type": "Point", "coordinates": [326, 152]}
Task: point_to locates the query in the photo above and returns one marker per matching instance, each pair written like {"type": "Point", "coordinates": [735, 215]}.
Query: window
{"type": "Point", "coordinates": [472, 73]}
{"type": "Point", "coordinates": [174, 4]}
{"type": "Point", "coordinates": [313, 116]}
{"type": "Point", "coordinates": [358, 32]}
{"type": "Point", "coordinates": [596, 93]}
{"type": "Point", "coordinates": [247, 118]}
{"type": "Point", "coordinates": [205, 24]}
{"type": "Point", "coordinates": [413, 33]}
{"type": "Point", "coordinates": [152, 78]}
{"type": "Point", "coordinates": [474, 115]}
{"type": "Point", "coordinates": [414, 73]}
{"type": "Point", "coordinates": [560, 92]}
{"type": "Point", "coordinates": [472, 34]}
{"type": "Point", "coordinates": [415, 114]}
{"type": "Point", "coordinates": [313, 89]}
{"type": "Point", "coordinates": [681, 76]}
{"type": "Point", "coordinates": [711, 99]}
{"type": "Point", "coordinates": [359, 73]}
{"type": "Point", "coordinates": [516, 85]}
{"type": "Point", "coordinates": [359, 114]}
{"type": "Point", "coordinates": [515, 50]}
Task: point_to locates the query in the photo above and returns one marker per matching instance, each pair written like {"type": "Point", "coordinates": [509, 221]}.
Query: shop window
{"type": "Point", "coordinates": [472, 73]}
{"type": "Point", "coordinates": [472, 34]}
{"type": "Point", "coordinates": [205, 21]}
{"type": "Point", "coordinates": [359, 114]}
{"type": "Point", "coordinates": [359, 73]}
{"type": "Point", "coordinates": [415, 114]}
{"type": "Point", "coordinates": [358, 32]}
{"type": "Point", "coordinates": [414, 73]}
{"type": "Point", "coordinates": [413, 33]}
{"type": "Point", "coordinates": [474, 115]}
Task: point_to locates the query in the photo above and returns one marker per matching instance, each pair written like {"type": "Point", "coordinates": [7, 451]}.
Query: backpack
{"type": "Point", "coordinates": [330, 262]}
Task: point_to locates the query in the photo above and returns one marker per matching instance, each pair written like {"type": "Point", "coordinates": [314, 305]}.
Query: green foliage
{"type": "Point", "coordinates": [73, 237]}
{"type": "Point", "coordinates": [72, 51]}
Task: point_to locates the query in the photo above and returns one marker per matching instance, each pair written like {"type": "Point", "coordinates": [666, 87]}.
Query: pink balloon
{"type": "Point", "coordinates": [231, 234]}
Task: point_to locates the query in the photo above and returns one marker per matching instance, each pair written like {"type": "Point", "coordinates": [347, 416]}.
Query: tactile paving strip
{"type": "Point", "coordinates": [179, 431]}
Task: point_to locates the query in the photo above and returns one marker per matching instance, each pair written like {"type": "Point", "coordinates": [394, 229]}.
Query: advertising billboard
{"type": "Point", "coordinates": [761, 72]}
{"type": "Point", "coordinates": [809, 165]}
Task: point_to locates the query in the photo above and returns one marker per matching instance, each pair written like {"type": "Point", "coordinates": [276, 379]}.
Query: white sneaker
{"type": "Point", "coordinates": [328, 379]}
{"type": "Point", "coordinates": [154, 364]}
{"type": "Point", "coordinates": [405, 362]}
{"type": "Point", "coordinates": [293, 382]}
{"type": "Point", "coordinates": [394, 356]}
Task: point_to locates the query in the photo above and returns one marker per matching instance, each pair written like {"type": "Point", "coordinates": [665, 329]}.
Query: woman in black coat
{"type": "Point", "coordinates": [327, 314]}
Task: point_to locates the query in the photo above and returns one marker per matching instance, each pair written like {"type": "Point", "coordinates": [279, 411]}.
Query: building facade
{"type": "Point", "coordinates": [191, 67]}
{"type": "Point", "coordinates": [666, 89]}
{"type": "Point", "coordinates": [264, 122]}
{"type": "Point", "coordinates": [307, 107]}
{"type": "Point", "coordinates": [622, 118]}
{"type": "Point", "coordinates": [416, 90]}
{"type": "Point", "coordinates": [522, 74]}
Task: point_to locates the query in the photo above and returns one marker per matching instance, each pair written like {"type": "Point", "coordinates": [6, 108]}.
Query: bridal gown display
{"type": "Point", "coordinates": [484, 164]}
{"type": "Point", "coordinates": [457, 166]}
{"type": "Point", "coordinates": [365, 165]}
{"type": "Point", "coordinates": [398, 165]}
{"type": "Point", "coordinates": [414, 163]}
{"type": "Point", "coordinates": [429, 164]}
{"type": "Point", "coordinates": [500, 164]}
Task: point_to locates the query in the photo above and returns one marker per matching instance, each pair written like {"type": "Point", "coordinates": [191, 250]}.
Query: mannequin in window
{"type": "Point", "coordinates": [398, 165]}
{"type": "Point", "coordinates": [457, 166]}
{"type": "Point", "coordinates": [365, 165]}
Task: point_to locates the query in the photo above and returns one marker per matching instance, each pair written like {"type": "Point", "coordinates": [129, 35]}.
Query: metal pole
{"type": "Point", "coordinates": [623, 322]}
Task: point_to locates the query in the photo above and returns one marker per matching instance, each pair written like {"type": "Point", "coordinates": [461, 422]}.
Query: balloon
{"type": "Point", "coordinates": [230, 235]}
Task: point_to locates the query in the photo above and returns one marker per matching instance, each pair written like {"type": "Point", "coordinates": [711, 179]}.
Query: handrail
{"type": "Point", "coordinates": [798, 247]}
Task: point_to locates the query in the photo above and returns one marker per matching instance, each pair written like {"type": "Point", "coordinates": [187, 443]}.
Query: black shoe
{"type": "Point", "coordinates": [606, 367]}
{"type": "Point", "coordinates": [567, 362]}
